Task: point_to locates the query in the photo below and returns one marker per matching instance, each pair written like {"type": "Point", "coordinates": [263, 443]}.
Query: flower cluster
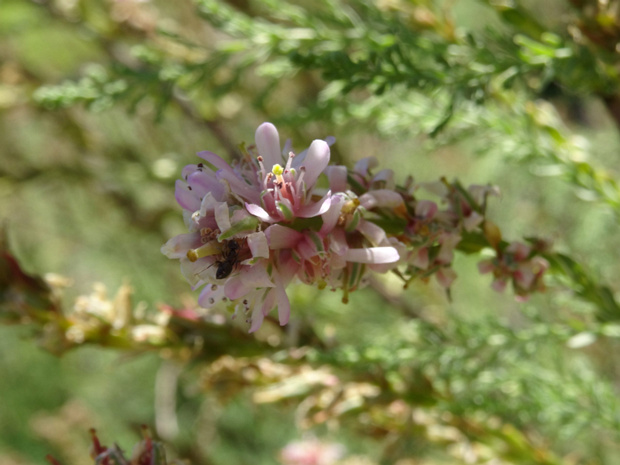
{"type": "Point", "coordinates": [520, 264]}
{"type": "Point", "coordinates": [256, 224]}
{"type": "Point", "coordinates": [266, 219]}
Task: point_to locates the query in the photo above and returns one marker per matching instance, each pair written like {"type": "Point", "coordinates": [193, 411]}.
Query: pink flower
{"type": "Point", "coordinates": [287, 192]}
{"type": "Point", "coordinates": [311, 452]}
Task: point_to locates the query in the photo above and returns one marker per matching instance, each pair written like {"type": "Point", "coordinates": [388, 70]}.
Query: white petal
{"type": "Point", "coordinates": [198, 271]}
{"type": "Point", "coordinates": [373, 255]}
{"type": "Point", "coordinates": [222, 217]}
{"type": "Point", "coordinates": [178, 246]}
{"type": "Point", "coordinates": [208, 204]}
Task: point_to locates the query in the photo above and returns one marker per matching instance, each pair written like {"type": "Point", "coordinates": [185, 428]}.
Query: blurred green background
{"type": "Point", "coordinates": [89, 195]}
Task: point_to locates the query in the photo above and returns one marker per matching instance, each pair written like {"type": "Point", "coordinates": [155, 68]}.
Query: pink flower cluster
{"type": "Point", "coordinates": [520, 264]}
{"type": "Point", "coordinates": [258, 223]}
{"type": "Point", "coordinates": [275, 216]}
{"type": "Point", "coordinates": [432, 234]}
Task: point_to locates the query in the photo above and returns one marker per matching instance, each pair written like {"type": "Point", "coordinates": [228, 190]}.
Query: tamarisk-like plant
{"type": "Point", "coordinates": [259, 223]}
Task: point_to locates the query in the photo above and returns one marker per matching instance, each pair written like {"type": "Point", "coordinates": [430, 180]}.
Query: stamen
{"type": "Point", "coordinates": [266, 180]}
{"type": "Point", "coordinates": [262, 166]}
{"type": "Point", "coordinates": [291, 155]}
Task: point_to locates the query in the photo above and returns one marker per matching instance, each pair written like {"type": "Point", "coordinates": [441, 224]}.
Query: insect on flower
{"type": "Point", "coordinates": [230, 257]}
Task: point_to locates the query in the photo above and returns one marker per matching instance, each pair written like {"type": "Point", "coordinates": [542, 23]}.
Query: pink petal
{"type": "Point", "coordinates": [437, 187]}
{"type": "Point", "coordinates": [337, 176]}
{"type": "Point", "coordinates": [316, 161]}
{"type": "Point", "coordinates": [499, 285]}
{"type": "Point", "coordinates": [301, 156]}
{"type": "Point", "coordinates": [281, 237]}
{"type": "Point", "coordinates": [363, 165]}
{"type": "Point", "coordinates": [524, 276]}
{"type": "Point", "coordinates": [249, 279]}
{"type": "Point", "coordinates": [269, 301]}
{"type": "Point", "coordinates": [202, 183]}
{"type": "Point", "coordinates": [259, 212]}
{"type": "Point", "coordinates": [217, 161]}
{"type": "Point", "coordinates": [185, 196]}
{"type": "Point", "coordinates": [268, 144]}
{"type": "Point", "coordinates": [373, 255]}
{"type": "Point", "coordinates": [486, 266]}
{"type": "Point", "coordinates": [421, 259]}
{"type": "Point", "coordinates": [338, 242]}
{"type": "Point", "coordinates": [448, 242]}
{"type": "Point", "coordinates": [375, 234]}
{"type": "Point", "coordinates": [210, 295]}
{"type": "Point", "coordinates": [308, 248]}
{"type": "Point", "coordinates": [178, 246]}
{"type": "Point", "coordinates": [258, 245]}
{"type": "Point", "coordinates": [257, 317]}
{"type": "Point", "coordinates": [425, 209]}
{"type": "Point", "coordinates": [381, 198]}
{"type": "Point", "coordinates": [316, 208]}
{"type": "Point", "coordinates": [189, 169]}
{"type": "Point", "coordinates": [330, 217]}
{"type": "Point", "coordinates": [519, 250]}
{"type": "Point", "coordinates": [386, 177]}
{"type": "Point", "coordinates": [239, 186]}
{"type": "Point", "coordinates": [287, 267]}
{"type": "Point", "coordinates": [239, 215]}
{"type": "Point", "coordinates": [284, 305]}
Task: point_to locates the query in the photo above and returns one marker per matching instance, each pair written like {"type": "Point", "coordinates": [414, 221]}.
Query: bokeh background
{"type": "Point", "coordinates": [87, 192]}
